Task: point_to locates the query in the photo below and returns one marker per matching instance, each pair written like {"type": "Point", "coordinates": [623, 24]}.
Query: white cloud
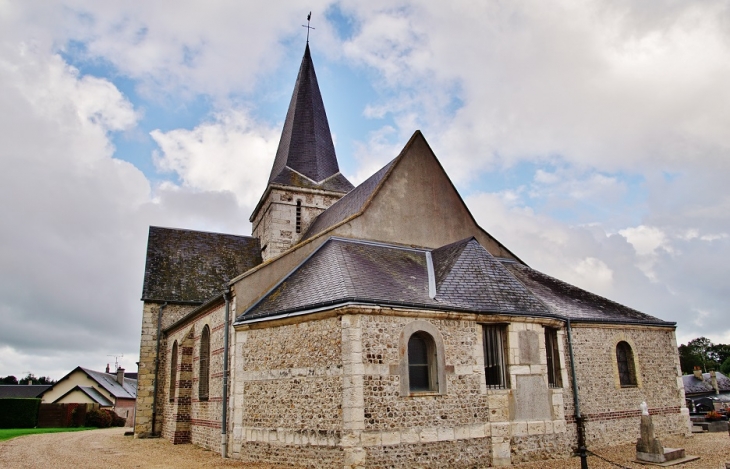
{"type": "Point", "coordinates": [229, 153]}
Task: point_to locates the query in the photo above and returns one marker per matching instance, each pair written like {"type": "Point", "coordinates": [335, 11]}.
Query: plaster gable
{"type": "Point", "coordinates": [418, 205]}
{"type": "Point", "coordinates": [75, 378]}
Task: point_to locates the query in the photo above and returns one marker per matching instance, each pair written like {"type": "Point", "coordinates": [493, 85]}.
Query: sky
{"type": "Point", "coordinates": [591, 138]}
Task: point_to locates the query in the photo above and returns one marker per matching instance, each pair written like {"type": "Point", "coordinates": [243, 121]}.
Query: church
{"type": "Point", "coordinates": [381, 326]}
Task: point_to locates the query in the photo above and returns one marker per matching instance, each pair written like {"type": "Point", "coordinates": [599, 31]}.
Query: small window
{"type": "Point", "coordinates": [422, 376]}
{"type": "Point", "coordinates": [555, 380]}
{"type": "Point", "coordinates": [203, 379]}
{"type": "Point", "coordinates": [173, 371]}
{"type": "Point", "coordinates": [495, 350]}
{"type": "Point", "coordinates": [299, 216]}
{"type": "Point", "coordinates": [626, 368]}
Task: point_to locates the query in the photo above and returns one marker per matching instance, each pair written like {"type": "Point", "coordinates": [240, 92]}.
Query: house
{"type": "Point", "coordinates": [380, 325]}
{"type": "Point", "coordinates": [22, 390]}
{"type": "Point", "coordinates": [706, 391]}
{"type": "Point", "coordinates": [114, 391]}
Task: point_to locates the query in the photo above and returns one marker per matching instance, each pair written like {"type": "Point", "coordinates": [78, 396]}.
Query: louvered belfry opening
{"type": "Point", "coordinates": [494, 356]}
{"type": "Point", "coordinates": [555, 379]}
{"type": "Point", "coordinates": [203, 378]}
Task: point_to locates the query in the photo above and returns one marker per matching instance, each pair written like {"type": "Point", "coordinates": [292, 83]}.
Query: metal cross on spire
{"type": "Point", "coordinates": [309, 17]}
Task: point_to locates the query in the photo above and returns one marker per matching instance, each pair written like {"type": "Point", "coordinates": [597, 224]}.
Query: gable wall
{"type": "Point", "coordinates": [418, 205]}
{"type": "Point", "coordinates": [77, 378]}
{"type": "Point", "coordinates": [76, 397]}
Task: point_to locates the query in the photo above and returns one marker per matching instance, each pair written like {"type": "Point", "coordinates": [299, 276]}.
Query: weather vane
{"type": "Point", "coordinates": [309, 17]}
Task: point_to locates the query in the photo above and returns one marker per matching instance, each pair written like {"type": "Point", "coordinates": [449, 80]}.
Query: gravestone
{"type": "Point", "coordinates": [650, 450]}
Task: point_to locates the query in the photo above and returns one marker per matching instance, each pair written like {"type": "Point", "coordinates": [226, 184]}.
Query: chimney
{"type": "Point", "coordinates": [713, 380]}
{"type": "Point", "coordinates": [107, 368]}
{"type": "Point", "coordinates": [698, 373]}
{"type": "Point", "coordinates": [120, 375]}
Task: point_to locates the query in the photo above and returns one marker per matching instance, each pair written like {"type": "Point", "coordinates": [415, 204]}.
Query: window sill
{"type": "Point", "coordinates": [629, 386]}
{"type": "Point", "coordinates": [423, 393]}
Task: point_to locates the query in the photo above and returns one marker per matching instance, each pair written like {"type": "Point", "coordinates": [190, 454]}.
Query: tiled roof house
{"type": "Point", "coordinates": [380, 325]}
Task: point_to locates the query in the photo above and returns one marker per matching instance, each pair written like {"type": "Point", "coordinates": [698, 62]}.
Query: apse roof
{"type": "Point", "coordinates": [574, 303]}
{"type": "Point", "coordinates": [346, 270]}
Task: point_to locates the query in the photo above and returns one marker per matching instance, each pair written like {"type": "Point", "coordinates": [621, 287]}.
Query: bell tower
{"type": "Point", "coordinates": [305, 178]}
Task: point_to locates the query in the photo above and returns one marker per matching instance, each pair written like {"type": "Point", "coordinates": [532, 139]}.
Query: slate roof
{"type": "Point", "coordinates": [469, 277]}
{"type": "Point", "coordinates": [352, 203]}
{"type": "Point", "coordinates": [192, 266]}
{"type": "Point", "coordinates": [109, 382]}
{"type": "Point", "coordinates": [343, 270]}
{"type": "Point", "coordinates": [23, 390]}
{"type": "Point", "coordinates": [693, 385]}
{"type": "Point", "coordinates": [306, 147]}
{"type": "Point", "coordinates": [568, 301]}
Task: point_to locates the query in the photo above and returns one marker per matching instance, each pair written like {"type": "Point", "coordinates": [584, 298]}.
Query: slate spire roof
{"type": "Point", "coordinates": [306, 147]}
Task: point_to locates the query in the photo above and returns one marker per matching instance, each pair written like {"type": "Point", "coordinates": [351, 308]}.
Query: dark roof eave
{"type": "Point", "coordinates": [369, 302]}
{"type": "Point", "coordinates": [173, 302]}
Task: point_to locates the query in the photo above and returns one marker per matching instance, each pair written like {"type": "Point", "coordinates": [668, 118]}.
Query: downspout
{"type": "Point", "coordinates": [224, 411]}
{"type": "Point", "coordinates": [576, 404]}
{"type": "Point", "coordinates": [157, 367]}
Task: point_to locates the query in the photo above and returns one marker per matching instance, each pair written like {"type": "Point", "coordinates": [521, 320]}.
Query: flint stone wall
{"type": "Point", "coordinates": [612, 412]}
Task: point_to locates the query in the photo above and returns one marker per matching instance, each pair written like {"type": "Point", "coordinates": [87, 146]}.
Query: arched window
{"type": "Point", "coordinates": [173, 371]}
{"type": "Point", "coordinates": [626, 367]}
{"type": "Point", "coordinates": [203, 377]}
{"type": "Point", "coordinates": [422, 374]}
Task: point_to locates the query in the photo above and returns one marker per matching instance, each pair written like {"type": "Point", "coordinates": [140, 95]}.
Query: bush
{"type": "Point", "coordinates": [117, 421]}
{"type": "Point", "coordinates": [98, 418]}
{"type": "Point", "coordinates": [19, 413]}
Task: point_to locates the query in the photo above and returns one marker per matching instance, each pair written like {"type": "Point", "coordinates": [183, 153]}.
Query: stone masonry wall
{"type": "Point", "coordinates": [147, 355]}
{"type": "Point", "coordinates": [275, 223]}
{"type": "Point", "coordinates": [200, 417]}
{"type": "Point", "coordinates": [611, 412]}
{"type": "Point", "coordinates": [468, 425]}
{"type": "Point", "coordinates": [288, 387]}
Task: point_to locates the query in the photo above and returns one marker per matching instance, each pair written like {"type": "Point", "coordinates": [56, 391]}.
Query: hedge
{"type": "Point", "coordinates": [19, 412]}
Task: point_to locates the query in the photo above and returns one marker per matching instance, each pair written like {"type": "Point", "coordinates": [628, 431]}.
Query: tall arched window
{"type": "Point", "coordinates": [203, 377]}
{"type": "Point", "coordinates": [422, 373]}
{"type": "Point", "coordinates": [626, 367]}
{"type": "Point", "coordinates": [173, 371]}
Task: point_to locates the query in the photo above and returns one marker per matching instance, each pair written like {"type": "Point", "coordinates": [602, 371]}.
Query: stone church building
{"type": "Point", "coordinates": [381, 326]}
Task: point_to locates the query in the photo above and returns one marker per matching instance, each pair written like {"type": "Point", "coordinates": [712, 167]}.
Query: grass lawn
{"type": "Point", "coordinates": [8, 433]}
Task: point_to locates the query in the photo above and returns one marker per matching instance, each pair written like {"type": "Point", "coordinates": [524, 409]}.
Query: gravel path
{"type": "Point", "coordinates": [712, 448]}
{"type": "Point", "coordinates": [109, 448]}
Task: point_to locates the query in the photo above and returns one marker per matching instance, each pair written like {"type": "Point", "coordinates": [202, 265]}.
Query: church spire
{"type": "Point", "coordinates": [306, 147]}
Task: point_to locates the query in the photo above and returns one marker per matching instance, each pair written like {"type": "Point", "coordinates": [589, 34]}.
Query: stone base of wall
{"type": "Point", "coordinates": [293, 455]}
{"type": "Point", "coordinates": [439, 454]}
{"type": "Point", "coordinates": [626, 430]}
{"type": "Point", "coordinates": [540, 447]}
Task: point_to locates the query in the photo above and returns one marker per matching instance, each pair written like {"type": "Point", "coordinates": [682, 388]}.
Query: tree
{"type": "Point", "coordinates": [10, 379]}
{"type": "Point", "coordinates": [703, 353]}
{"type": "Point", "coordinates": [31, 379]}
{"type": "Point", "coordinates": [725, 367]}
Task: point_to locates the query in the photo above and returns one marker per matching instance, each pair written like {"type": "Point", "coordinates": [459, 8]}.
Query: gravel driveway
{"type": "Point", "coordinates": [109, 448]}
